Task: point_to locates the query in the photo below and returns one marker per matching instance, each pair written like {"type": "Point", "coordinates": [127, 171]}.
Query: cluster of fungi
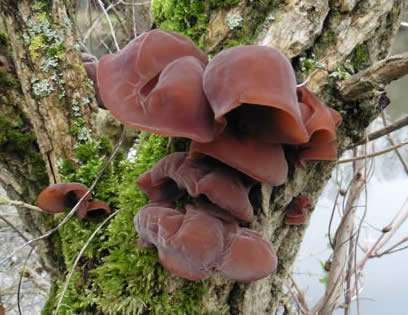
{"type": "Point", "coordinates": [242, 111]}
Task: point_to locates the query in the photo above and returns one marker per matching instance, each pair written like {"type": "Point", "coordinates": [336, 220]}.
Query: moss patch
{"type": "Point", "coordinates": [114, 276]}
{"type": "Point", "coordinates": [189, 17]}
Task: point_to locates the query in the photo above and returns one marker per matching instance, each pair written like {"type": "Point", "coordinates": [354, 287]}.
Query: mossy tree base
{"type": "Point", "coordinates": [114, 276]}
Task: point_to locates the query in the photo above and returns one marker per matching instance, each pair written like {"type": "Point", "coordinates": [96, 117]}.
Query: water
{"type": "Point", "coordinates": [385, 280]}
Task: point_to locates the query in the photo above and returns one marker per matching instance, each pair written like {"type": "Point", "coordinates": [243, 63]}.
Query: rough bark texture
{"type": "Point", "coordinates": [327, 41]}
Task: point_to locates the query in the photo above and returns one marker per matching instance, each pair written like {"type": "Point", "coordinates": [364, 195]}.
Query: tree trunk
{"type": "Point", "coordinates": [327, 41]}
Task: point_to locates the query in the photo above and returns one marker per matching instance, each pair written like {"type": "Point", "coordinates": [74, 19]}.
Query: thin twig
{"type": "Point", "coordinates": [375, 154]}
{"type": "Point", "coordinates": [75, 208]}
{"type": "Point", "coordinates": [300, 297]}
{"type": "Point", "coordinates": [110, 24]}
{"type": "Point", "coordinates": [6, 201]}
{"type": "Point", "coordinates": [392, 249]}
{"type": "Point", "coordinates": [78, 258]}
{"type": "Point", "coordinates": [384, 131]}
{"type": "Point", "coordinates": [392, 142]}
{"type": "Point", "coordinates": [14, 228]}
{"type": "Point", "coordinates": [20, 280]}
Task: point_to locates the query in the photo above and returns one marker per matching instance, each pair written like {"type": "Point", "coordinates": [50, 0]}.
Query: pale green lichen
{"type": "Point", "coordinates": [234, 20]}
{"type": "Point", "coordinates": [41, 88]}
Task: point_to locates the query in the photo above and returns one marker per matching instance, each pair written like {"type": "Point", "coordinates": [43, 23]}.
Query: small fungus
{"type": "Point", "coordinates": [90, 63]}
{"type": "Point", "coordinates": [321, 122]}
{"type": "Point", "coordinates": [56, 197]}
{"type": "Point", "coordinates": [173, 175]}
{"type": "Point", "coordinates": [155, 84]}
{"type": "Point", "coordinates": [295, 213]}
{"type": "Point", "coordinates": [195, 244]}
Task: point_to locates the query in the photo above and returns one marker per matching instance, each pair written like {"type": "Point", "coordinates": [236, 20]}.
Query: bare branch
{"type": "Point", "coordinates": [110, 24]}
{"type": "Point", "coordinates": [384, 131]}
{"type": "Point", "coordinates": [6, 201]}
{"type": "Point", "coordinates": [375, 154]}
{"type": "Point", "coordinates": [392, 249]}
{"type": "Point", "coordinates": [375, 77]}
{"type": "Point", "coordinates": [392, 142]}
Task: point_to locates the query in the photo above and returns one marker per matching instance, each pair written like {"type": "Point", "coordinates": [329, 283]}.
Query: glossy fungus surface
{"type": "Point", "coordinates": [253, 90]}
{"type": "Point", "coordinates": [264, 162]}
{"type": "Point", "coordinates": [321, 122]}
{"type": "Point", "coordinates": [175, 175]}
{"type": "Point", "coordinates": [195, 244]}
{"type": "Point", "coordinates": [57, 197]}
{"type": "Point", "coordinates": [155, 84]}
{"type": "Point", "coordinates": [295, 213]}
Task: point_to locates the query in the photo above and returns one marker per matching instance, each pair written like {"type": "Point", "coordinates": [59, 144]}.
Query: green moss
{"type": "Point", "coordinates": [41, 6]}
{"type": "Point", "coordinates": [4, 41]}
{"type": "Point", "coordinates": [189, 17]}
{"type": "Point", "coordinates": [360, 57]}
{"type": "Point", "coordinates": [21, 143]}
{"type": "Point", "coordinates": [223, 3]}
{"type": "Point", "coordinates": [8, 82]}
{"type": "Point", "coordinates": [56, 50]}
{"type": "Point", "coordinates": [114, 276]}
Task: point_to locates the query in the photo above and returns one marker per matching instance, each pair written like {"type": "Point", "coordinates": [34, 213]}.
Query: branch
{"type": "Point", "coordinates": [367, 156]}
{"type": "Point", "coordinates": [6, 201]}
{"type": "Point", "coordinates": [384, 131]}
{"type": "Point", "coordinates": [392, 142]}
{"type": "Point", "coordinates": [375, 77]}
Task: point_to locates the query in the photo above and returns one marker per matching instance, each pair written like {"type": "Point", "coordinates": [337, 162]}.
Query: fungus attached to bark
{"type": "Point", "coordinates": [90, 63]}
{"type": "Point", "coordinates": [173, 175]}
{"type": "Point", "coordinates": [253, 90]}
{"type": "Point", "coordinates": [197, 243]}
{"type": "Point", "coordinates": [56, 197]}
{"type": "Point", "coordinates": [264, 162]}
{"type": "Point", "coordinates": [295, 212]}
{"type": "Point", "coordinates": [155, 84]}
{"type": "Point", "coordinates": [321, 122]}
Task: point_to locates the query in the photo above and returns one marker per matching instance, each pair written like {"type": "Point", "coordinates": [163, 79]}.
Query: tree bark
{"type": "Point", "coordinates": [338, 38]}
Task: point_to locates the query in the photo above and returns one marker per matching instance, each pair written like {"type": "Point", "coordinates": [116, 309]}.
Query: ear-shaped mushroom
{"type": "Point", "coordinates": [56, 197]}
{"type": "Point", "coordinates": [264, 162]}
{"type": "Point", "coordinates": [155, 84]}
{"type": "Point", "coordinates": [194, 244]}
{"type": "Point", "coordinates": [173, 175]}
{"type": "Point", "coordinates": [254, 89]}
{"type": "Point", "coordinates": [90, 63]}
{"type": "Point", "coordinates": [295, 214]}
{"type": "Point", "coordinates": [321, 123]}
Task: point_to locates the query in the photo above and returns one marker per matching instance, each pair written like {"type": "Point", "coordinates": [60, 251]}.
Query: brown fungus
{"type": "Point", "coordinates": [155, 84]}
{"type": "Point", "coordinates": [264, 162]}
{"type": "Point", "coordinates": [253, 90]}
{"type": "Point", "coordinates": [295, 212]}
{"type": "Point", "coordinates": [321, 122]}
{"type": "Point", "coordinates": [173, 175]}
{"type": "Point", "coordinates": [56, 197]}
{"type": "Point", "coordinates": [197, 243]}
